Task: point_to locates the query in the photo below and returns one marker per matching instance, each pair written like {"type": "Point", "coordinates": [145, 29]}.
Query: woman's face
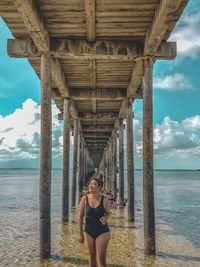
{"type": "Point", "coordinates": [93, 186]}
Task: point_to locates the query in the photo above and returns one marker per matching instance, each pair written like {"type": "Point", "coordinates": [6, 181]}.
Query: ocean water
{"type": "Point", "coordinates": [177, 210]}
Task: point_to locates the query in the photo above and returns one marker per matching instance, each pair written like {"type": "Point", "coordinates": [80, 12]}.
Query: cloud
{"type": "Point", "coordinates": [172, 139]}
{"type": "Point", "coordinates": [20, 133]}
{"type": "Point", "coordinates": [20, 136]}
{"type": "Point", "coordinates": [187, 35]}
{"type": "Point", "coordinates": [173, 82]}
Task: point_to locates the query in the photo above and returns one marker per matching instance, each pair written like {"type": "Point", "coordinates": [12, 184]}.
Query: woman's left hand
{"type": "Point", "coordinates": [103, 220]}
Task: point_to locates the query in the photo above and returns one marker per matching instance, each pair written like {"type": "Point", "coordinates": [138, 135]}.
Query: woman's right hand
{"type": "Point", "coordinates": [81, 238]}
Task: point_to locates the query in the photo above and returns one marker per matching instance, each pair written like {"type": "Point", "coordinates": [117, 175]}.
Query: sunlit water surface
{"type": "Point", "coordinates": [177, 224]}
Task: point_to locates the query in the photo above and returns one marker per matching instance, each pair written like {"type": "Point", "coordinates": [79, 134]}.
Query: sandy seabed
{"type": "Point", "coordinates": [19, 243]}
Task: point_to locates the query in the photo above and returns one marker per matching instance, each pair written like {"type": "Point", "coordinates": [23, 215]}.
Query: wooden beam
{"type": "Point", "coordinates": [166, 50]}
{"type": "Point", "coordinates": [96, 140]}
{"type": "Point", "coordinates": [80, 49]}
{"type": "Point", "coordinates": [40, 36]}
{"type": "Point", "coordinates": [92, 71]}
{"type": "Point", "coordinates": [34, 24]}
{"type": "Point", "coordinates": [161, 24]}
{"type": "Point", "coordinates": [97, 135]}
{"type": "Point", "coordinates": [97, 121]}
{"type": "Point", "coordinates": [136, 79]}
{"type": "Point", "coordinates": [94, 105]}
{"type": "Point", "coordinates": [123, 109]}
{"type": "Point", "coordinates": [90, 20]}
{"type": "Point", "coordinates": [97, 128]}
{"type": "Point", "coordinates": [98, 115]}
{"type": "Point", "coordinates": [59, 77]}
{"type": "Point", "coordinates": [101, 94]}
{"type": "Point", "coordinates": [73, 110]}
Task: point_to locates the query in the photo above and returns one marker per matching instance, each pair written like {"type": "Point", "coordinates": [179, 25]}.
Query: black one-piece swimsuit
{"type": "Point", "coordinates": [93, 225]}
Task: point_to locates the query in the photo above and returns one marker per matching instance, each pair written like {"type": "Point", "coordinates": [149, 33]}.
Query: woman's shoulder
{"type": "Point", "coordinates": [83, 199]}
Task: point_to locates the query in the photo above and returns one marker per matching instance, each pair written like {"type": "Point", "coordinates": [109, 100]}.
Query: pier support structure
{"type": "Point", "coordinates": [66, 161]}
{"type": "Point", "coordinates": [74, 175]}
{"type": "Point", "coordinates": [115, 165]}
{"type": "Point", "coordinates": [148, 171]}
{"type": "Point", "coordinates": [121, 164]}
{"type": "Point", "coordinates": [130, 163]}
{"type": "Point", "coordinates": [45, 158]}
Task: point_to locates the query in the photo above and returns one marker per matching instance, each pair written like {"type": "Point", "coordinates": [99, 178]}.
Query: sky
{"type": "Point", "coordinates": [176, 109]}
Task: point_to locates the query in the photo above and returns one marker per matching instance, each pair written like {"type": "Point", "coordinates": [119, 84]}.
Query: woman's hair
{"type": "Point", "coordinates": [98, 179]}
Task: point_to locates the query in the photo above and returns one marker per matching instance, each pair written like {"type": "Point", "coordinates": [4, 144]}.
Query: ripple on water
{"type": "Point", "coordinates": [19, 243]}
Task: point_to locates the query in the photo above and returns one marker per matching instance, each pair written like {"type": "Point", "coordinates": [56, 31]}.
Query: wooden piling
{"type": "Point", "coordinates": [74, 175]}
{"type": "Point", "coordinates": [115, 165]}
{"type": "Point", "coordinates": [130, 164]}
{"type": "Point", "coordinates": [121, 164]}
{"type": "Point", "coordinates": [148, 172]}
{"type": "Point", "coordinates": [66, 161]}
{"type": "Point", "coordinates": [80, 178]}
{"type": "Point", "coordinates": [45, 158]}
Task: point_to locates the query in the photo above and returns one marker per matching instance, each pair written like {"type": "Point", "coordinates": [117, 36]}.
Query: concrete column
{"type": "Point", "coordinates": [66, 161]}
{"type": "Point", "coordinates": [130, 164]}
{"type": "Point", "coordinates": [148, 171]}
{"type": "Point", "coordinates": [74, 175]}
{"type": "Point", "coordinates": [45, 158]}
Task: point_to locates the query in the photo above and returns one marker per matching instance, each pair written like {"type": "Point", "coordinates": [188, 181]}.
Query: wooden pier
{"type": "Point", "coordinates": [94, 58]}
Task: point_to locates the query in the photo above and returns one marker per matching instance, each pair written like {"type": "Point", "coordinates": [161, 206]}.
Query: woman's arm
{"type": "Point", "coordinates": [80, 219]}
{"type": "Point", "coordinates": [107, 208]}
{"type": "Point", "coordinates": [104, 219]}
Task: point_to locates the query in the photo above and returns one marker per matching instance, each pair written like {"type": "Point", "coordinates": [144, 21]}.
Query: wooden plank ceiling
{"type": "Point", "coordinates": [97, 51]}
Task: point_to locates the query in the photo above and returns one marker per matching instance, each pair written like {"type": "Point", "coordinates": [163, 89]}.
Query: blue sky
{"type": "Point", "coordinates": [176, 98]}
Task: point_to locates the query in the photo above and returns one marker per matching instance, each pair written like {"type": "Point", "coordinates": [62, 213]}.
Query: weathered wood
{"type": "Point", "coordinates": [84, 169]}
{"type": "Point", "coordinates": [75, 165]}
{"type": "Point", "coordinates": [97, 135]}
{"type": "Point", "coordinates": [80, 171]}
{"type": "Point", "coordinates": [90, 20]}
{"type": "Point", "coordinates": [66, 162]}
{"type": "Point", "coordinates": [123, 109]}
{"type": "Point", "coordinates": [97, 128]}
{"type": "Point", "coordinates": [130, 164]}
{"type": "Point", "coordinates": [40, 36]}
{"type": "Point", "coordinates": [101, 94]}
{"type": "Point", "coordinates": [80, 49]}
{"type": "Point", "coordinates": [94, 105]}
{"type": "Point", "coordinates": [99, 140]}
{"type": "Point", "coordinates": [115, 165]}
{"type": "Point", "coordinates": [148, 171]}
{"type": "Point", "coordinates": [121, 164]}
{"type": "Point", "coordinates": [45, 159]}
{"type": "Point", "coordinates": [136, 79]}
{"type": "Point", "coordinates": [73, 110]}
{"type": "Point", "coordinates": [160, 25]}
{"type": "Point", "coordinates": [58, 77]}
{"type": "Point", "coordinates": [34, 24]}
{"type": "Point", "coordinates": [92, 71]}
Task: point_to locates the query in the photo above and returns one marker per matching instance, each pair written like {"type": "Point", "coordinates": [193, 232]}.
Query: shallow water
{"type": "Point", "coordinates": [177, 224]}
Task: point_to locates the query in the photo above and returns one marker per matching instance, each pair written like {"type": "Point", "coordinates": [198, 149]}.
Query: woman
{"type": "Point", "coordinates": [95, 208]}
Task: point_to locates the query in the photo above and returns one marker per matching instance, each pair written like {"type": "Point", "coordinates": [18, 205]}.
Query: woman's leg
{"type": "Point", "coordinates": [101, 246]}
{"type": "Point", "coordinates": [92, 250]}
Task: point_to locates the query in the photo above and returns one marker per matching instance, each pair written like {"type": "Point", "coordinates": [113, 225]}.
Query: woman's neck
{"type": "Point", "coordinates": [94, 195]}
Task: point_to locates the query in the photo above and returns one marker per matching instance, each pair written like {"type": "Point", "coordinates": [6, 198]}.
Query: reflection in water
{"type": "Point", "coordinates": [125, 248]}
{"type": "Point", "coordinates": [177, 227]}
